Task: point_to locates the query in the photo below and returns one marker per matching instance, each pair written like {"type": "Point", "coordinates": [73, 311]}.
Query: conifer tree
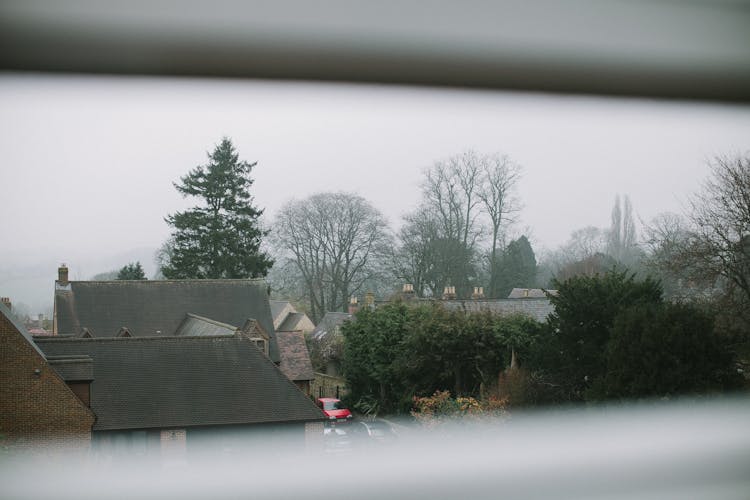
{"type": "Point", "coordinates": [132, 271]}
{"type": "Point", "coordinates": [221, 237]}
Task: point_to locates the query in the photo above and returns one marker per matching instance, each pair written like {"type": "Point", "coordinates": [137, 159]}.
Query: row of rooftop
{"type": "Point", "coordinates": [128, 357]}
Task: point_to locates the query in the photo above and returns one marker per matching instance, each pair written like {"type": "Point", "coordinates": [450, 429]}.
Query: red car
{"type": "Point", "coordinates": [333, 409]}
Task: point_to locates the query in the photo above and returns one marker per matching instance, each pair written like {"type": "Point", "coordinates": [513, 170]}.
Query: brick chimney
{"type": "Point", "coordinates": [62, 274]}
{"type": "Point", "coordinates": [353, 305]}
{"type": "Point", "coordinates": [449, 293]}
{"type": "Point", "coordinates": [6, 302]}
{"type": "Point", "coordinates": [370, 300]}
{"type": "Point", "coordinates": [407, 291]}
{"type": "Point", "coordinates": [478, 293]}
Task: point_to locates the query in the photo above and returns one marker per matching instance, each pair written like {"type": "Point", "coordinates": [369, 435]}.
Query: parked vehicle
{"type": "Point", "coordinates": [334, 409]}
{"type": "Point", "coordinates": [373, 432]}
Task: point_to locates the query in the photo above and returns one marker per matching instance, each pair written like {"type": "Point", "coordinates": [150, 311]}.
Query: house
{"type": "Point", "coordinates": [172, 394]}
{"type": "Point", "coordinates": [529, 302]}
{"type": "Point", "coordinates": [536, 308]}
{"type": "Point", "coordinates": [295, 359]}
{"type": "Point", "coordinates": [530, 293]}
{"type": "Point", "coordinates": [327, 335]}
{"type": "Point", "coordinates": [291, 327]}
{"type": "Point", "coordinates": [330, 323]}
{"type": "Point", "coordinates": [152, 308]}
{"type": "Point", "coordinates": [43, 403]}
{"type": "Point", "coordinates": [287, 319]}
{"type": "Point", "coordinates": [170, 363]}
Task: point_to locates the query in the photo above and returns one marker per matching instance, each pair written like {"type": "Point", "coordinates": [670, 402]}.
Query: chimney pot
{"type": "Point", "coordinates": [353, 305]}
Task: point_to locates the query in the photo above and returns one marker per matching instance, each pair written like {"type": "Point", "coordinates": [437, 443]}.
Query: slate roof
{"type": "Point", "coordinates": [329, 322]}
{"type": "Point", "coordinates": [295, 359]}
{"type": "Point", "coordinates": [198, 326]}
{"type": "Point", "coordinates": [73, 367]}
{"type": "Point", "coordinates": [536, 308]}
{"type": "Point", "coordinates": [157, 308]}
{"type": "Point", "coordinates": [162, 382]}
{"type": "Point", "coordinates": [532, 293]}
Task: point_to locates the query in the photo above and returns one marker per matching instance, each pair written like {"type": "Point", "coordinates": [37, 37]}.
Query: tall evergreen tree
{"type": "Point", "coordinates": [516, 268]}
{"type": "Point", "coordinates": [221, 237]}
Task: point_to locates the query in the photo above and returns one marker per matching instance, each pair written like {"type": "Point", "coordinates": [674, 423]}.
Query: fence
{"type": "Point", "coordinates": [328, 386]}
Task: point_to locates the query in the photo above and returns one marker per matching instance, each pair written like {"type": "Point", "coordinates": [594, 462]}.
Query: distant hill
{"type": "Point", "coordinates": [29, 280]}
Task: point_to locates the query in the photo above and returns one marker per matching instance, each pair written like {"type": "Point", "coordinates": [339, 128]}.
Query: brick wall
{"type": "Point", "coordinates": [173, 444]}
{"type": "Point", "coordinates": [38, 411]}
{"type": "Point", "coordinates": [314, 437]}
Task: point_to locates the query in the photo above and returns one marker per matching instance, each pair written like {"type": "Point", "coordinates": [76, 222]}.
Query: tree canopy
{"type": "Point", "coordinates": [401, 350]}
{"type": "Point", "coordinates": [661, 350]}
{"type": "Point", "coordinates": [221, 237]}
{"type": "Point", "coordinates": [585, 310]}
{"type": "Point", "coordinates": [132, 271]}
{"type": "Point", "coordinates": [516, 267]}
{"type": "Point", "coordinates": [614, 337]}
{"type": "Point", "coordinates": [336, 243]}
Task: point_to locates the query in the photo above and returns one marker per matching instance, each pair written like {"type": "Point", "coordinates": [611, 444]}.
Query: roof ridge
{"type": "Point", "coordinates": [174, 338]}
{"type": "Point", "coordinates": [208, 280]}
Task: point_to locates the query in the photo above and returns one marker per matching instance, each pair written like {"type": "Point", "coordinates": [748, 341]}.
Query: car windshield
{"type": "Point", "coordinates": [332, 405]}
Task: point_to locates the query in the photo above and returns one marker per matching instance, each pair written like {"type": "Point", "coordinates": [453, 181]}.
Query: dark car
{"type": "Point", "coordinates": [374, 432]}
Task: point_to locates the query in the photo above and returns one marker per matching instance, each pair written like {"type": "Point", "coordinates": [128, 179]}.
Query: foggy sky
{"type": "Point", "coordinates": [88, 162]}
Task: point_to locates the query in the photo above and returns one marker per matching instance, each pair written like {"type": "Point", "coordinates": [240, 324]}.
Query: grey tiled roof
{"type": "Point", "coordinates": [157, 308]}
{"type": "Point", "coordinates": [159, 382]}
{"type": "Point", "coordinates": [73, 368]}
{"type": "Point", "coordinates": [197, 326]}
{"type": "Point", "coordinates": [295, 359]}
{"type": "Point", "coordinates": [537, 309]}
{"type": "Point", "coordinates": [530, 293]}
{"type": "Point", "coordinates": [329, 322]}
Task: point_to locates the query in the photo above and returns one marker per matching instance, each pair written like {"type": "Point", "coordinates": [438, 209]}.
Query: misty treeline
{"type": "Point", "coordinates": [463, 233]}
{"type": "Point", "coordinates": [321, 250]}
{"type": "Point", "coordinates": [332, 246]}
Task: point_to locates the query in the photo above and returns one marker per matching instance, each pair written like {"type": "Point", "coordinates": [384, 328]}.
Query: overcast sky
{"type": "Point", "coordinates": [88, 163]}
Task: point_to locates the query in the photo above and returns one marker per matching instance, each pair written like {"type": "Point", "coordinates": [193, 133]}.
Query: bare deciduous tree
{"type": "Point", "coordinates": [336, 241]}
{"type": "Point", "coordinates": [415, 260]}
{"type": "Point", "coordinates": [720, 213]}
{"type": "Point", "coordinates": [497, 192]}
{"type": "Point", "coordinates": [667, 239]}
{"type": "Point", "coordinates": [439, 241]}
{"type": "Point", "coordinates": [450, 192]}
